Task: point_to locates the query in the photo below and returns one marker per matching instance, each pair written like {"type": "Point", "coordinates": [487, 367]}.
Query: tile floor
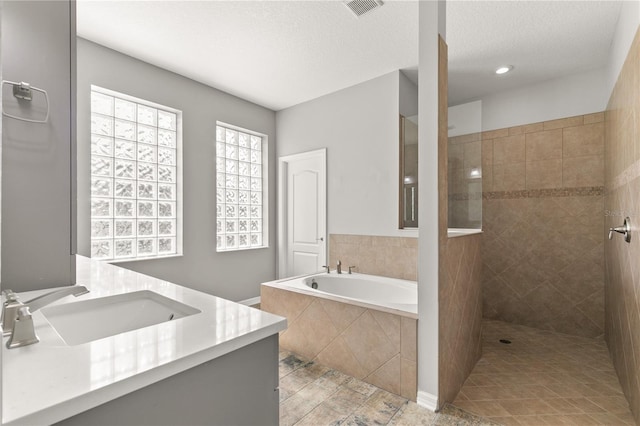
{"type": "Point", "coordinates": [311, 394]}
{"type": "Point", "coordinates": [543, 378]}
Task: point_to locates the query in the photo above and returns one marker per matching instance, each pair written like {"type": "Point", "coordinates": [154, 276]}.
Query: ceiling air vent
{"type": "Point", "coordinates": [360, 7]}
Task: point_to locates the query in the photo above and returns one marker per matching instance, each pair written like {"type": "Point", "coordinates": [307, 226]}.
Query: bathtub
{"type": "Point", "coordinates": [362, 325]}
{"type": "Point", "coordinates": [369, 291]}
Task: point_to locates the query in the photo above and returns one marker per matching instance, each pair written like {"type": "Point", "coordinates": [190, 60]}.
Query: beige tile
{"type": "Point", "coordinates": [564, 122]}
{"type": "Point", "coordinates": [508, 150]}
{"type": "Point", "coordinates": [534, 127]}
{"type": "Point", "coordinates": [390, 324]}
{"type": "Point", "coordinates": [594, 118]}
{"type": "Point", "coordinates": [338, 355]}
{"type": "Point", "coordinates": [583, 140]}
{"type": "Point", "coordinates": [341, 314]}
{"type": "Point", "coordinates": [345, 401]}
{"type": "Point", "coordinates": [411, 414]}
{"type": "Point", "coordinates": [544, 145]}
{"type": "Point", "coordinates": [472, 155]}
{"type": "Point", "coordinates": [321, 415]}
{"type": "Point", "coordinates": [492, 134]}
{"type": "Point", "coordinates": [369, 343]}
{"type": "Point", "coordinates": [361, 387]}
{"type": "Point", "coordinates": [509, 177]}
{"type": "Point", "coordinates": [544, 174]}
{"type": "Point", "coordinates": [304, 336]}
{"type": "Point", "coordinates": [284, 303]}
{"type": "Point", "coordinates": [456, 156]}
{"type": "Point", "coordinates": [408, 379]}
{"type": "Point", "coordinates": [409, 336]}
{"type": "Point", "coordinates": [388, 376]}
{"type": "Point", "coordinates": [583, 171]}
{"type": "Point", "coordinates": [526, 407]}
{"type": "Point", "coordinates": [517, 130]}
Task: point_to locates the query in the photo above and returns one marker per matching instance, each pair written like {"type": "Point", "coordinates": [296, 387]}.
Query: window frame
{"type": "Point", "coordinates": [179, 234]}
{"type": "Point", "coordinates": [264, 187]}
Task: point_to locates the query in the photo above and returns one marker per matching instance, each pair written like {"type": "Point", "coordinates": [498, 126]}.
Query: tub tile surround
{"type": "Point", "coordinates": [622, 183]}
{"type": "Point", "coordinates": [543, 224]}
{"type": "Point", "coordinates": [376, 347]}
{"type": "Point", "coordinates": [394, 257]}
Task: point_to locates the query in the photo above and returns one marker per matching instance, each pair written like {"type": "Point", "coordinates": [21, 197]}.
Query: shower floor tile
{"type": "Point", "coordinates": [543, 378]}
{"type": "Point", "coordinates": [311, 394]}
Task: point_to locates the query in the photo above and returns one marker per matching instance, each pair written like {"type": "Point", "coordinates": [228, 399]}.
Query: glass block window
{"type": "Point", "coordinates": [135, 177]}
{"type": "Point", "coordinates": [241, 210]}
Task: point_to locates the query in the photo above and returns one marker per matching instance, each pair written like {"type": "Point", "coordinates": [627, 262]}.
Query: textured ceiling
{"type": "Point", "coordinates": [281, 53]}
{"type": "Point", "coordinates": [273, 53]}
{"type": "Point", "coordinates": [541, 39]}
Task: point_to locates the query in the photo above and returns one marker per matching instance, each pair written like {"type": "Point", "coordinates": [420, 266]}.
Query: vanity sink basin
{"type": "Point", "coordinates": [82, 322]}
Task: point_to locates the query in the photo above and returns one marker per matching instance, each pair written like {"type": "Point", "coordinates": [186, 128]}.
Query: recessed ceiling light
{"type": "Point", "coordinates": [504, 69]}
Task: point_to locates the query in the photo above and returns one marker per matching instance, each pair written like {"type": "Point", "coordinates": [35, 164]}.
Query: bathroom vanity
{"type": "Point", "coordinates": [214, 363]}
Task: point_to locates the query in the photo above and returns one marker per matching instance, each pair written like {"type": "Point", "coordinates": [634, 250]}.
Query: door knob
{"type": "Point", "coordinates": [625, 230]}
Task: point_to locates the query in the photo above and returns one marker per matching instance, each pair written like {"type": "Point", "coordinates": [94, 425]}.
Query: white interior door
{"type": "Point", "coordinates": [302, 213]}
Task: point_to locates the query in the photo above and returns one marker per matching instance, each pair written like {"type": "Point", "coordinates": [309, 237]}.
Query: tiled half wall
{"type": "Point", "coordinates": [394, 257]}
{"type": "Point", "coordinates": [543, 225]}
{"type": "Point", "coordinates": [622, 160]}
{"type": "Point", "coordinates": [377, 347]}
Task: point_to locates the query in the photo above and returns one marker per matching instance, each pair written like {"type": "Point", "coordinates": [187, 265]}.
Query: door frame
{"type": "Point", "coordinates": [283, 164]}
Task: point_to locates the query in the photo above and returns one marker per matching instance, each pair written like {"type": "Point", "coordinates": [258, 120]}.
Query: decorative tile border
{"type": "Point", "coordinates": [585, 191]}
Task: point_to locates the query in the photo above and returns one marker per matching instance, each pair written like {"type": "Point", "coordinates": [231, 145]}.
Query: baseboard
{"type": "Point", "coordinates": [250, 302]}
{"type": "Point", "coordinates": [427, 400]}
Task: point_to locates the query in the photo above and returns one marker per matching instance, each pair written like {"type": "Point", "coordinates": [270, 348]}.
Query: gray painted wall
{"type": "Point", "coordinates": [37, 46]}
{"type": "Point", "coordinates": [359, 126]}
{"type": "Point", "coordinates": [234, 275]}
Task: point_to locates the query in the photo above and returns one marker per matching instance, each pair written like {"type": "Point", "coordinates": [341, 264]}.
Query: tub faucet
{"type": "Point", "coordinates": [16, 315]}
{"type": "Point", "coordinates": [328, 268]}
{"type": "Point", "coordinates": [339, 267]}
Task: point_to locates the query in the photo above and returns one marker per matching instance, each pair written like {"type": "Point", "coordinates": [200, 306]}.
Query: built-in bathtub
{"type": "Point", "coordinates": [362, 325]}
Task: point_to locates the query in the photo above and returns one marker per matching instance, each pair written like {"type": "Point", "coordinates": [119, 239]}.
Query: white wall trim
{"type": "Point", "coordinates": [427, 400]}
{"type": "Point", "coordinates": [250, 302]}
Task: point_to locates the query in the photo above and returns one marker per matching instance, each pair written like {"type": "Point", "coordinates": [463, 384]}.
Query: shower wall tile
{"type": "Point", "coordinates": [622, 183]}
{"type": "Point", "coordinates": [543, 226]}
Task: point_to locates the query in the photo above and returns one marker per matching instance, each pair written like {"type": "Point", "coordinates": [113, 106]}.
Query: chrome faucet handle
{"type": "Point", "coordinates": [23, 333]}
{"type": "Point", "coordinates": [328, 268]}
{"type": "Point", "coordinates": [9, 314]}
{"type": "Point", "coordinates": [625, 230]}
{"type": "Point", "coordinates": [9, 296]}
{"type": "Point", "coordinates": [11, 309]}
{"type": "Point", "coordinates": [351, 268]}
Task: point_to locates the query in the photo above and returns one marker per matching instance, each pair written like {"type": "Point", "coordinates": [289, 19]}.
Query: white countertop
{"type": "Point", "coordinates": [51, 381]}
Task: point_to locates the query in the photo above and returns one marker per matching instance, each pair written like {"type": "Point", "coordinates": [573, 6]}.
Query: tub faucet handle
{"type": "Point", "coordinates": [328, 269]}
{"type": "Point", "coordinates": [351, 268]}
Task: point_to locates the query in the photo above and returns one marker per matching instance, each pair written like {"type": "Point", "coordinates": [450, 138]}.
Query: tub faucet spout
{"type": "Point", "coordinates": [339, 267]}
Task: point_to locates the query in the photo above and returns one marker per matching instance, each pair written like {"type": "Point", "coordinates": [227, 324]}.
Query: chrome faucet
{"type": "Point", "coordinates": [339, 267]}
{"type": "Point", "coordinates": [16, 316]}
